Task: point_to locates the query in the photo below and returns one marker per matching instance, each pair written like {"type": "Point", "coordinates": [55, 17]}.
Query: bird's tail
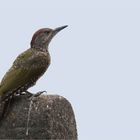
{"type": "Point", "coordinates": [4, 105]}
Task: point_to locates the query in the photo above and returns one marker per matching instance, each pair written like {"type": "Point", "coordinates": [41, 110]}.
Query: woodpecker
{"type": "Point", "coordinates": [29, 66]}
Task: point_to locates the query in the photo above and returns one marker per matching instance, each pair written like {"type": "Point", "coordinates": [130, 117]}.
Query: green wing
{"type": "Point", "coordinates": [21, 73]}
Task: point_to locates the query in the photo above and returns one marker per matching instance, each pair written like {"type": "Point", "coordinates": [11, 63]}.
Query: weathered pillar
{"type": "Point", "coordinates": [43, 117]}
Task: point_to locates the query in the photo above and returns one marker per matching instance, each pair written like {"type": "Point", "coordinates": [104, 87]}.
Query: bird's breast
{"type": "Point", "coordinates": [43, 60]}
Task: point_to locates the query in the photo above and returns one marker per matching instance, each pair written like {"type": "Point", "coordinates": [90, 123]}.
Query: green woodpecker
{"type": "Point", "coordinates": [28, 66]}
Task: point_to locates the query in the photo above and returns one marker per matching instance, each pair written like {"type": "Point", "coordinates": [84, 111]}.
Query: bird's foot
{"type": "Point", "coordinates": [29, 94]}
{"type": "Point", "coordinates": [39, 93]}
{"type": "Point", "coordinates": [34, 95]}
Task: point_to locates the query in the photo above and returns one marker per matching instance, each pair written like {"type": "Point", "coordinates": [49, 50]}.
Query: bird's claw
{"type": "Point", "coordinates": [34, 95]}
{"type": "Point", "coordinates": [38, 93]}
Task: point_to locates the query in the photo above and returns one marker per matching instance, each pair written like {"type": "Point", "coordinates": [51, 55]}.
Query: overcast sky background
{"type": "Point", "coordinates": [95, 61]}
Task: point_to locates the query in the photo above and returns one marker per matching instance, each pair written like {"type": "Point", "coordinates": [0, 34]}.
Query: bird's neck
{"type": "Point", "coordinates": [42, 48]}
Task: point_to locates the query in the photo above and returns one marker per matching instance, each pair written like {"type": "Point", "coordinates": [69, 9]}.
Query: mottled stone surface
{"type": "Point", "coordinates": [51, 117]}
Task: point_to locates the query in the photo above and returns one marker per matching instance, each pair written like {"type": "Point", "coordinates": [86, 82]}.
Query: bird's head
{"type": "Point", "coordinates": [42, 37]}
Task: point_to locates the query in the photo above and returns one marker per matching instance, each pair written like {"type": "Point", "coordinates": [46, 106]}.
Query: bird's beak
{"type": "Point", "coordinates": [58, 29]}
{"type": "Point", "coordinates": [53, 33]}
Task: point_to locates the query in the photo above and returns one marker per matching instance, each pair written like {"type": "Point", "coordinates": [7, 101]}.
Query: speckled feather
{"type": "Point", "coordinates": [26, 70]}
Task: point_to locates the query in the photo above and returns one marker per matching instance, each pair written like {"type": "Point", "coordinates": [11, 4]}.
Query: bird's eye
{"type": "Point", "coordinates": [46, 33]}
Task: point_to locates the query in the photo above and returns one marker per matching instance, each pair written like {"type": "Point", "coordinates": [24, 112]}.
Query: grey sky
{"type": "Point", "coordinates": [95, 61]}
